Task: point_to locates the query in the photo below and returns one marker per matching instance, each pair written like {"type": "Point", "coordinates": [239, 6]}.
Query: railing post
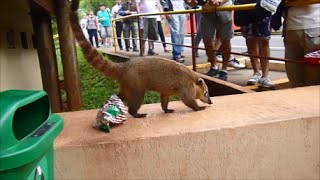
{"type": "Point", "coordinates": [114, 33]}
{"type": "Point", "coordinates": [140, 35]}
{"type": "Point", "coordinates": [193, 50]}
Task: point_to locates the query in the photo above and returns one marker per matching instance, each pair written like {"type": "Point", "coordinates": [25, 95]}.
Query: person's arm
{"type": "Point", "coordinates": [165, 5]}
{"type": "Point", "coordinates": [123, 12]}
{"type": "Point", "coordinates": [138, 6]}
{"type": "Point", "coordinates": [192, 3]}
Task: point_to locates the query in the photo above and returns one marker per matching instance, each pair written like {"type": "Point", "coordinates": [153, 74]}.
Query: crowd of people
{"type": "Point", "coordinates": [301, 34]}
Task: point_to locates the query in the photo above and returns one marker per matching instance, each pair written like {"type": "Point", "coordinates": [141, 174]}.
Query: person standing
{"type": "Point", "coordinates": [84, 24]}
{"type": "Point", "coordinates": [93, 27]}
{"type": "Point", "coordinates": [130, 25]}
{"type": "Point", "coordinates": [302, 36]}
{"type": "Point", "coordinates": [119, 26]}
{"type": "Point", "coordinates": [177, 23]}
{"type": "Point", "coordinates": [150, 26]}
{"type": "Point", "coordinates": [219, 25]}
{"type": "Point", "coordinates": [104, 18]}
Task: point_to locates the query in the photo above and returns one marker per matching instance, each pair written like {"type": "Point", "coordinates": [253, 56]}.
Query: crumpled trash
{"type": "Point", "coordinates": [111, 113]}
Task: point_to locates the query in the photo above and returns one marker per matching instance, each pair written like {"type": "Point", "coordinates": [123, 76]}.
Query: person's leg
{"type": "Point", "coordinates": [264, 51]}
{"type": "Point", "coordinates": [182, 27]}
{"type": "Point", "coordinates": [198, 37]}
{"type": "Point", "coordinates": [225, 32]}
{"type": "Point", "coordinates": [95, 32]}
{"type": "Point", "coordinates": [152, 34]}
{"type": "Point", "coordinates": [174, 30]}
{"type": "Point", "coordinates": [103, 34]}
{"type": "Point", "coordinates": [119, 28]}
{"type": "Point", "coordinates": [252, 46]}
{"type": "Point", "coordinates": [294, 50]}
{"type": "Point", "coordinates": [208, 28]}
{"type": "Point", "coordinates": [134, 36]}
{"type": "Point", "coordinates": [161, 34]}
{"type": "Point", "coordinates": [311, 44]}
{"type": "Point", "coordinates": [126, 35]}
{"type": "Point", "coordinates": [90, 32]}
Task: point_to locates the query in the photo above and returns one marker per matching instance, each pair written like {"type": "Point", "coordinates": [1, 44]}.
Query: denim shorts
{"type": "Point", "coordinates": [259, 29]}
{"type": "Point", "coordinates": [217, 21]}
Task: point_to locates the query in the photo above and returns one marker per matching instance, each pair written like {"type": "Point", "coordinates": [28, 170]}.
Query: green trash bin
{"type": "Point", "coordinates": [27, 131]}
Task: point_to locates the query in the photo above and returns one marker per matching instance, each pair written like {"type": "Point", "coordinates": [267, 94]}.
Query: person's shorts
{"type": "Point", "coordinates": [260, 29]}
{"type": "Point", "coordinates": [106, 31]}
{"type": "Point", "coordinates": [217, 21]}
{"type": "Point", "coordinates": [150, 29]}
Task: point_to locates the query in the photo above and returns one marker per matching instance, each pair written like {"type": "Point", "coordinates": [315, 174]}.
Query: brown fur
{"type": "Point", "coordinates": [140, 75]}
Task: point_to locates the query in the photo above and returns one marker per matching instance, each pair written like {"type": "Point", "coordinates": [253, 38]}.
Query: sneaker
{"type": "Point", "coordinates": [135, 50]}
{"type": "Point", "coordinates": [178, 59]}
{"type": "Point", "coordinates": [182, 56]}
{"type": "Point", "coordinates": [152, 53]}
{"type": "Point", "coordinates": [167, 51]}
{"type": "Point", "coordinates": [236, 64]}
{"type": "Point", "coordinates": [254, 79]}
{"type": "Point", "coordinates": [265, 82]}
{"type": "Point", "coordinates": [223, 75]}
{"type": "Point", "coordinates": [121, 48]}
{"type": "Point", "coordinates": [212, 72]}
{"type": "Point", "coordinates": [127, 49]}
{"type": "Point", "coordinates": [219, 58]}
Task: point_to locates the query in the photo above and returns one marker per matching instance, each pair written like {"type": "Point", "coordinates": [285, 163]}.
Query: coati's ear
{"type": "Point", "coordinates": [200, 81]}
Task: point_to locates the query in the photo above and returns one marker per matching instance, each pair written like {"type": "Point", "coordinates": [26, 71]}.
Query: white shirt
{"type": "Point", "coordinates": [304, 17]}
{"type": "Point", "coordinates": [83, 23]}
{"type": "Point", "coordinates": [178, 5]}
{"type": "Point", "coordinates": [115, 11]}
{"type": "Point", "coordinates": [147, 6]}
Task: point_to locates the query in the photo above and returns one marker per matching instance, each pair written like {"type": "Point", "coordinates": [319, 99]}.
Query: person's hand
{"type": "Point", "coordinates": [193, 3]}
{"type": "Point", "coordinates": [213, 3]}
{"type": "Point", "coordinates": [128, 12]}
{"type": "Point", "coordinates": [168, 17]}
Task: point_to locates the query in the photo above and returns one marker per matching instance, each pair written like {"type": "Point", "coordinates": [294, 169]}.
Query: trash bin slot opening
{"type": "Point", "coordinates": [29, 117]}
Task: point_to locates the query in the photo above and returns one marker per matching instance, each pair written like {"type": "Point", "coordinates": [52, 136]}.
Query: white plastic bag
{"type": "Point", "coordinates": [270, 5]}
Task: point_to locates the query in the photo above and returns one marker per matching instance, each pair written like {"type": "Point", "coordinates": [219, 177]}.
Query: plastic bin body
{"type": "Point", "coordinates": [27, 131]}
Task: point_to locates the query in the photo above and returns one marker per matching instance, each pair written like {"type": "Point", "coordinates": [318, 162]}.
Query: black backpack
{"type": "Point", "coordinates": [245, 17]}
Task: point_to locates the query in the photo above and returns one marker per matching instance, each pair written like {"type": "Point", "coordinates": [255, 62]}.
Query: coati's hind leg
{"type": "Point", "coordinates": [135, 100]}
{"type": "Point", "coordinates": [164, 104]}
{"type": "Point", "coordinates": [189, 100]}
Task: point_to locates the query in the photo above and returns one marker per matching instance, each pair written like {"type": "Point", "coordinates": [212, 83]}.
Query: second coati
{"type": "Point", "coordinates": [139, 75]}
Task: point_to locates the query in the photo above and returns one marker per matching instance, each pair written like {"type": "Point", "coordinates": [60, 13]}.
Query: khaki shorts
{"type": "Point", "coordinates": [217, 21]}
{"type": "Point", "coordinates": [298, 43]}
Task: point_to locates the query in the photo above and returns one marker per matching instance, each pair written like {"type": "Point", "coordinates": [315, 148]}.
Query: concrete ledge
{"type": "Point", "coordinates": [267, 135]}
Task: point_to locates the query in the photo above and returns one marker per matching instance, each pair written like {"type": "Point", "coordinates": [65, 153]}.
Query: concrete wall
{"type": "Point", "coordinates": [19, 67]}
{"type": "Point", "coordinates": [267, 135]}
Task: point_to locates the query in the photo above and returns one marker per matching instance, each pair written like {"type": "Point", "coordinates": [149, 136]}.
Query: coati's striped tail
{"type": "Point", "coordinates": [91, 54]}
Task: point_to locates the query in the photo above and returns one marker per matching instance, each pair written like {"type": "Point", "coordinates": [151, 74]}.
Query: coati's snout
{"type": "Point", "coordinates": [202, 91]}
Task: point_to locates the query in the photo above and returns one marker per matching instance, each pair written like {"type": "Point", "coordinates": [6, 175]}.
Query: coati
{"type": "Point", "coordinates": [142, 74]}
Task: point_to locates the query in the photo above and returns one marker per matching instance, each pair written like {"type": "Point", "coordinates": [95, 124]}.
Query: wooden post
{"type": "Point", "coordinates": [68, 56]}
{"type": "Point", "coordinates": [47, 57]}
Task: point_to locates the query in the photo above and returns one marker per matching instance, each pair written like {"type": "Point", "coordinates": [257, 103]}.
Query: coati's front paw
{"type": "Point", "coordinates": [168, 110]}
{"type": "Point", "coordinates": [200, 108]}
{"type": "Point", "coordinates": [139, 115]}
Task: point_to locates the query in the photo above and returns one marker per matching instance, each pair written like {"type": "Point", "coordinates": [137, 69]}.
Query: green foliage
{"type": "Point", "coordinates": [87, 5]}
